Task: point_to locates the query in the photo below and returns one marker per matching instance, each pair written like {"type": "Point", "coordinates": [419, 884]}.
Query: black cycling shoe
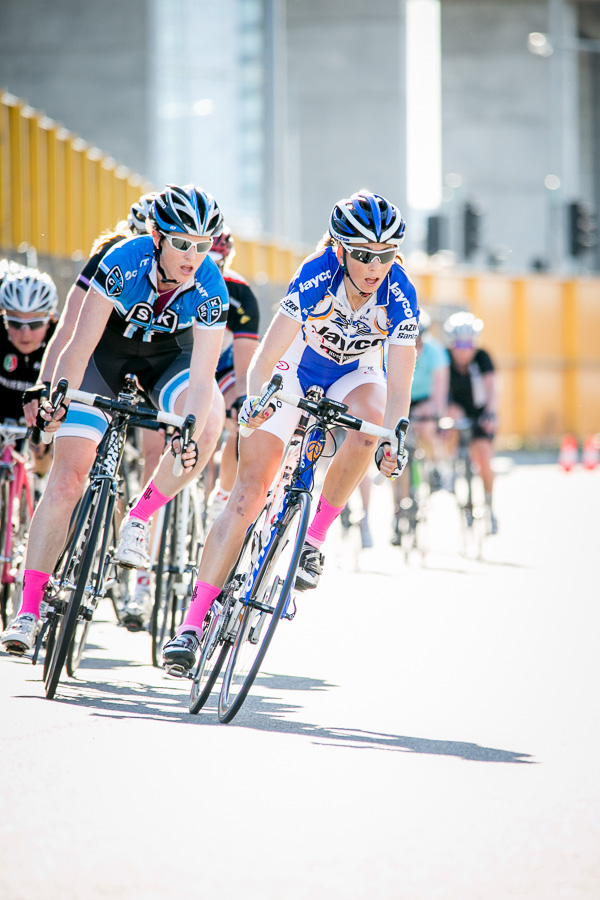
{"type": "Point", "coordinates": [310, 568]}
{"type": "Point", "coordinates": [179, 654]}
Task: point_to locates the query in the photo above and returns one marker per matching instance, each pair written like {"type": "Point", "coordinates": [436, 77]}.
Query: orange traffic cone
{"type": "Point", "coordinates": [569, 452]}
{"type": "Point", "coordinates": [590, 455]}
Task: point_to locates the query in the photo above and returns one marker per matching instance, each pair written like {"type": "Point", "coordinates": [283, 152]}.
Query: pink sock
{"type": "Point", "coordinates": [324, 517]}
{"type": "Point", "coordinates": [149, 502]}
{"type": "Point", "coordinates": [34, 583]}
{"type": "Point", "coordinates": [202, 599]}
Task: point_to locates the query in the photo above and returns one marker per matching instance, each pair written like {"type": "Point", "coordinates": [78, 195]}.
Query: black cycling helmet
{"type": "Point", "coordinates": [186, 209]}
{"type": "Point", "coordinates": [366, 218]}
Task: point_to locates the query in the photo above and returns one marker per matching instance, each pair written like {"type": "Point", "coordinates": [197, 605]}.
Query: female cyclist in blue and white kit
{"type": "Point", "coordinates": [345, 302]}
{"type": "Point", "coordinates": [156, 308]}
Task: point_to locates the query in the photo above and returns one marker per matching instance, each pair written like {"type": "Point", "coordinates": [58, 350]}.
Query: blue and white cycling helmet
{"type": "Point", "coordinates": [366, 218]}
{"type": "Point", "coordinates": [140, 210]}
{"type": "Point", "coordinates": [29, 291]}
{"type": "Point", "coordinates": [186, 209]}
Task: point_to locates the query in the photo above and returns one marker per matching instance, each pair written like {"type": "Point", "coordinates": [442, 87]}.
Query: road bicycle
{"type": "Point", "coordinates": [258, 594]}
{"type": "Point", "coordinates": [16, 509]}
{"type": "Point", "coordinates": [466, 486]}
{"type": "Point", "coordinates": [86, 568]}
{"type": "Point", "coordinates": [181, 540]}
{"type": "Point", "coordinates": [412, 496]}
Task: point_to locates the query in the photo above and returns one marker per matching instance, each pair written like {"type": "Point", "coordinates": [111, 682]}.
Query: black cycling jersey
{"type": "Point", "coordinates": [466, 388]}
{"type": "Point", "coordinates": [17, 373]}
{"type": "Point", "coordinates": [242, 318]}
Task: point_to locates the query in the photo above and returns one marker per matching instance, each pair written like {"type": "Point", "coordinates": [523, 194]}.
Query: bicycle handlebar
{"type": "Point", "coordinates": [333, 412]}
{"type": "Point", "coordinates": [133, 410]}
{"type": "Point", "coordinates": [12, 431]}
{"type": "Point", "coordinates": [142, 412]}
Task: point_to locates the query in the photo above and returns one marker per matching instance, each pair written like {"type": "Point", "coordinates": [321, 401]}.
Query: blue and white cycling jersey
{"type": "Point", "coordinates": [334, 336]}
{"type": "Point", "coordinates": [127, 276]}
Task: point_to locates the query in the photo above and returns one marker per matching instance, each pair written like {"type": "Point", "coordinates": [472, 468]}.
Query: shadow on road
{"type": "Point", "coordinates": [262, 711]}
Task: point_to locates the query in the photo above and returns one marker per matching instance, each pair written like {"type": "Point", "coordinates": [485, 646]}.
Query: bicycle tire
{"type": "Point", "coordinates": [214, 648]}
{"type": "Point", "coordinates": [163, 613]}
{"type": "Point", "coordinates": [271, 590]}
{"type": "Point", "coordinates": [169, 605]}
{"type": "Point", "coordinates": [99, 566]}
{"type": "Point", "coordinates": [68, 622]}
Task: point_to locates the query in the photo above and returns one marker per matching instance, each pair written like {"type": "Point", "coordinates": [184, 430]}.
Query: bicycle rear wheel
{"type": "Point", "coordinates": [78, 571]}
{"type": "Point", "coordinates": [266, 605]}
{"type": "Point", "coordinates": [218, 636]}
{"type": "Point", "coordinates": [181, 539]}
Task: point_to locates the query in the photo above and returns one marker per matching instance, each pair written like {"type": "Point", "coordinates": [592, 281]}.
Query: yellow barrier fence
{"type": "Point", "coordinates": [57, 193]}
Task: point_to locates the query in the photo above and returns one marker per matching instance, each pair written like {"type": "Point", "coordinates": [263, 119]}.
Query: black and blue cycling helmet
{"type": "Point", "coordinates": [186, 209]}
{"type": "Point", "coordinates": [366, 218]}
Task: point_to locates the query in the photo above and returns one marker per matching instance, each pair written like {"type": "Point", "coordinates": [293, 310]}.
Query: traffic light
{"type": "Point", "coordinates": [437, 234]}
{"type": "Point", "coordinates": [471, 229]}
{"type": "Point", "coordinates": [583, 228]}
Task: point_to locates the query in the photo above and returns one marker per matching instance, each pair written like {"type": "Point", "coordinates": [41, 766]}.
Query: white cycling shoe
{"type": "Point", "coordinates": [21, 634]}
{"type": "Point", "coordinates": [132, 549]}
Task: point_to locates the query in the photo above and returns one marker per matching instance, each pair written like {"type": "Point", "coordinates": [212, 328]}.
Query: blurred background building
{"type": "Point", "coordinates": [279, 107]}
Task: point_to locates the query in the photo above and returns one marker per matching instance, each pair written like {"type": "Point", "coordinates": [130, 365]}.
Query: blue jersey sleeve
{"type": "Point", "coordinates": [403, 309]}
{"type": "Point", "coordinates": [120, 270]}
{"type": "Point", "coordinates": [308, 285]}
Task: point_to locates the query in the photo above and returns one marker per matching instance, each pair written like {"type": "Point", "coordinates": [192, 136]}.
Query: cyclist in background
{"type": "Point", "coordinates": [428, 403]}
{"type": "Point", "coordinates": [28, 300]}
{"type": "Point", "coordinates": [239, 344]}
{"type": "Point", "coordinates": [473, 393]}
{"type": "Point", "coordinates": [344, 303]}
{"type": "Point", "coordinates": [156, 308]}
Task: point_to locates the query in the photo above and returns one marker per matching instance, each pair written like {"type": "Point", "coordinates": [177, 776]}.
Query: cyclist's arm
{"type": "Point", "coordinates": [64, 330]}
{"type": "Point", "coordinates": [244, 349]}
{"type": "Point", "coordinates": [72, 362]}
{"type": "Point", "coordinates": [276, 341]}
{"type": "Point", "coordinates": [489, 383]}
{"type": "Point", "coordinates": [439, 391]}
{"type": "Point", "coordinates": [400, 368]}
{"type": "Point", "coordinates": [205, 356]}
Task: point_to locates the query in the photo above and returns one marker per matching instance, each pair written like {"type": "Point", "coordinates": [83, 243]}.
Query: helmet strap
{"type": "Point", "coordinates": [157, 253]}
{"type": "Point", "coordinates": [349, 276]}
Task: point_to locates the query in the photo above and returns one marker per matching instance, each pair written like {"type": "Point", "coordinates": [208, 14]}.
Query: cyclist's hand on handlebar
{"type": "Point", "coordinates": [388, 463]}
{"type": "Point", "coordinates": [246, 416]}
{"type": "Point", "coordinates": [50, 416]}
{"type": "Point", "coordinates": [31, 400]}
{"type": "Point", "coordinates": [487, 421]}
{"type": "Point", "coordinates": [189, 457]}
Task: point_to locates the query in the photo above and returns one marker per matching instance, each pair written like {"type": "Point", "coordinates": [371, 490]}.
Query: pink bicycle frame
{"type": "Point", "coordinates": [16, 461]}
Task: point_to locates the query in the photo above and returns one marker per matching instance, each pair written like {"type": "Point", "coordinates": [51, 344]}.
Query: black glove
{"type": "Point", "coordinates": [36, 392]}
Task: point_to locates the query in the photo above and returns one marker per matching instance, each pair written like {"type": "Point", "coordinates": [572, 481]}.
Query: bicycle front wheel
{"type": "Point", "coordinates": [78, 573]}
{"type": "Point", "coordinates": [96, 582]}
{"type": "Point", "coordinates": [267, 603]}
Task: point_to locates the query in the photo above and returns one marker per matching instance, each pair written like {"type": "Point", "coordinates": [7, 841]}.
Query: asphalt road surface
{"type": "Point", "coordinates": [421, 731]}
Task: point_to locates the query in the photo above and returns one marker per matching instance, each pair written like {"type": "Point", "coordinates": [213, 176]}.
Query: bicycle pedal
{"type": "Point", "coordinates": [177, 672]}
{"type": "Point", "coordinates": [15, 649]}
